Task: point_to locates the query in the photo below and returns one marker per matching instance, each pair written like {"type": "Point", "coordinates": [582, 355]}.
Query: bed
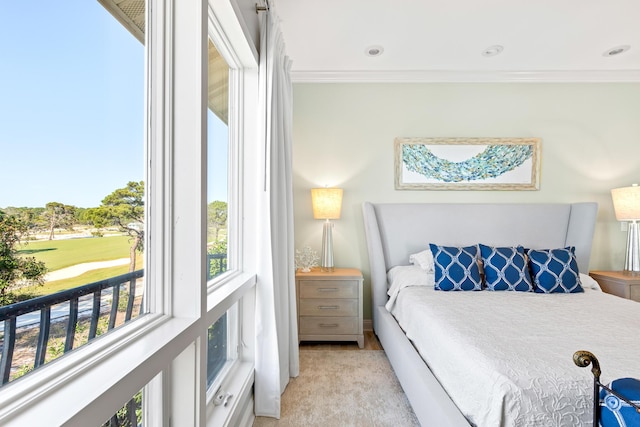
{"type": "Point", "coordinates": [524, 376]}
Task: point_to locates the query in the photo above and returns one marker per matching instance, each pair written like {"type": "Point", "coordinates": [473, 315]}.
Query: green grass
{"type": "Point", "coordinates": [57, 254]}
{"type": "Point", "coordinates": [83, 279]}
{"type": "Point", "coordinates": [74, 282]}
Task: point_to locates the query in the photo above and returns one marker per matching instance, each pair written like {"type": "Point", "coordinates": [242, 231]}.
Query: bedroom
{"type": "Point", "coordinates": [347, 113]}
{"type": "Point", "coordinates": [344, 127]}
{"type": "Point", "coordinates": [348, 109]}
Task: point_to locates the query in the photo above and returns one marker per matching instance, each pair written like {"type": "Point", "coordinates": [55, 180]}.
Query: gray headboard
{"type": "Point", "coordinates": [396, 230]}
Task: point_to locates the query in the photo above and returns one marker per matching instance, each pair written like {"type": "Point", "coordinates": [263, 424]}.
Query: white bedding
{"type": "Point", "coordinates": [505, 358]}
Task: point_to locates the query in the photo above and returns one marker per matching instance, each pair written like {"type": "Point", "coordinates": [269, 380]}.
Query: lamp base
{"type": "Point", "coordinates": [632, 256]}
{"type": "Point", "coordinates": [326, 261]}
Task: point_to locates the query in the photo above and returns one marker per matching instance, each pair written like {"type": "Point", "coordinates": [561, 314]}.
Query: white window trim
{"type": "Point", "coordinates": [106, 375]}
{"type": "Point", "coordinates": [233, 353]}
{"type": "Point", "coordinates": [235, 185]}
{"type": "Point", "coordinates": [88, 385]}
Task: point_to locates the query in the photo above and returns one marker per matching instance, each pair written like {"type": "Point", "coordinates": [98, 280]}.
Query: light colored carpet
{"type": "Point", "coordinates": [341, 389]}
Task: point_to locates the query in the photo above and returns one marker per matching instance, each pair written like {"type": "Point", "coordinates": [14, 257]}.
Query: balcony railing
{"type": "Point", "coordinates": [88, 303]}
{"type": "Point", "coordinates": [76, 311]}
{"type": "Point", "coordinates": [73, 306]}
{"type": "Point", "coordinates": [217, 265]}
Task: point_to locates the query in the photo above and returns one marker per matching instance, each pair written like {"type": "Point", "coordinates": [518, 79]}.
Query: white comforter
{"type": "Point", "coordinates": [505, 358]}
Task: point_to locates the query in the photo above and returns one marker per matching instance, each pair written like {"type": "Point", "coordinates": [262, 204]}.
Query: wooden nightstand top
{"type": "Point", "coordinates": [338, 273]}
{"type": "Point", "coordinates": [619, 276]}
{"type": "Point", "coordinates": [621, 283]}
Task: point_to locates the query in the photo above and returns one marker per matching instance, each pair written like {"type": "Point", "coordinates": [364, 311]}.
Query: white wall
{"type": "Point", "coordinates": [343, 136]}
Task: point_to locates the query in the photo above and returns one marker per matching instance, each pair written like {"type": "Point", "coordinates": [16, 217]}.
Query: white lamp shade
{"type": "Point", "coordinates": [626, 203]}
{"type": "Point", "coordinates": [327, 202]}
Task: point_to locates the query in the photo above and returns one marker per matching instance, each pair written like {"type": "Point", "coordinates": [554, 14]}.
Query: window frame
{"type": "Point", "coordinates": [163, 350]}
{"type": "Point", "coordinates": [235, 184]}
{"type": "Point", "coordinates": [235, 211]}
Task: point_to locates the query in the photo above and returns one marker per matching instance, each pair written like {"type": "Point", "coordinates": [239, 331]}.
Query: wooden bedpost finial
{"type": "Point", "coordinates": [584, 358]}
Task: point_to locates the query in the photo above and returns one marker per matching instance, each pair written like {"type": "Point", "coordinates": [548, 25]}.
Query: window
{"type": "Point", "coordinates": [222, 211]}
{"type": "Point", "coordinates": [72, 134]}
{"type": "Point", "coordinates": [163, 352]}
{"type": "Point", "coordinates": [218, 237]}
{"type": "Point", "coordinates": [130, 415]}
{"type": "Point", "coordinates": [222, 347]}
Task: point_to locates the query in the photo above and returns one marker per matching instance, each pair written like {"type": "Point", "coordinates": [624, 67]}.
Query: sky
{"type": "Point", "coordinates": [72, 105]}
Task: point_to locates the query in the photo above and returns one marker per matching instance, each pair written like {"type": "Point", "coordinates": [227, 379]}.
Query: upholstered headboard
{"type": "Point", "coordinates": [396, 230]}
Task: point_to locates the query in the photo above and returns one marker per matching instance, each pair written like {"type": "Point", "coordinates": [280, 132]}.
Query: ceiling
{"type": "Point", "coordinates": [443, 40]}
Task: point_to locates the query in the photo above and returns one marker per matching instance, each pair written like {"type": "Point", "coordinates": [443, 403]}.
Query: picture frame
{"type": "Point", "coordinates": [467, 163]}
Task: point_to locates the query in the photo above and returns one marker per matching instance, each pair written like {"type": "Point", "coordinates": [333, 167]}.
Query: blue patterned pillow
{"type": "Point", "coordinates": [456, 268]}
{"type": "Point", "coordinates": [615, 411]}
{"type": "Point", "coordinates": [555, 270]}
{"type": "Point", "coordinates": [505, 269]}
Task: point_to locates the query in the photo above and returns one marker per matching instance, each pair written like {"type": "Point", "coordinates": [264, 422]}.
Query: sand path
{"type": "Point", "coordinates": [78, 269]}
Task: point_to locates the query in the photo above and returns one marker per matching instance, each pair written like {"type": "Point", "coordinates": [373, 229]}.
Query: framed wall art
{"type": "Point", "coordinates": [467, 163]}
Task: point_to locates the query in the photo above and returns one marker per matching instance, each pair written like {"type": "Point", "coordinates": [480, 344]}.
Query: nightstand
{"type": "Point", "coordinates": [330, 305]}
{"type": "Point", "coordinates": [621, 283]}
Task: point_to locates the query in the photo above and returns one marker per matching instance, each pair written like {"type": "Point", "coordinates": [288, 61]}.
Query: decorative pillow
{"type": "Point", "coordinates": [424, 259]}
{"type": "Point", "coordinates": [615, 411]}
{"type": "Point", "coordinates": [456, 268]}
{"type": "Point", "coordinates": [555, 270]}
{"type": "Point", "coordinates": [505, 269]}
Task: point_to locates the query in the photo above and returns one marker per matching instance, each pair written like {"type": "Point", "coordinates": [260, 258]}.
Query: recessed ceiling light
{"type": "Point", "coordinates": [616, 50]}
{"type": "Point", "coordinates": [493, 50]}
{"type": "Point", "coordinates": [374, 50]}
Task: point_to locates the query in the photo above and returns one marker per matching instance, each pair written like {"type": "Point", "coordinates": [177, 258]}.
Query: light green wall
{"type": "Point", "coordinates": [343, 136]}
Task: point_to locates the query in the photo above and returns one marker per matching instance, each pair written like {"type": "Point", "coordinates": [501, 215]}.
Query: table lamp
{"type": "Point", "coordinates": [626, 203]}
{"type": "Point", "coordinates": [327, 203]}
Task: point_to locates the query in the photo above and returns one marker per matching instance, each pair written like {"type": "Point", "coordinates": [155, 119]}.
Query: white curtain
{"type": "Point", "coordinates": [276, 321]}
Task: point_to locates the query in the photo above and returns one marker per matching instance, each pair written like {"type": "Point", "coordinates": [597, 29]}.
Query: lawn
{"type": "Point", "coordinates": [57, 254]}
{"type": "Point", "coordinates": [83, 279]}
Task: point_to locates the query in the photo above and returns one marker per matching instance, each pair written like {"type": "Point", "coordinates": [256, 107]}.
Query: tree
{"type": "Point", "coordinates": [29, 217]}
{"type": "Point", "coordinates": [124, 208]}
{"type": "Point", "coordinates": [217, 216]}
{"type": "Point", "coordinates": [14, 269]}
{"type": "Point", "coordinates": [58, 215]}
{"type": "Point", "coordinates": [97, 218]}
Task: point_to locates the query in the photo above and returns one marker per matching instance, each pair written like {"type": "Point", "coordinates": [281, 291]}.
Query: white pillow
{"type": "Point", "coordinates": [404, 276]}
{"type": "Point", "coordinates": [423, 259]}
{"type": "Point", "coordinates": [589, 282]}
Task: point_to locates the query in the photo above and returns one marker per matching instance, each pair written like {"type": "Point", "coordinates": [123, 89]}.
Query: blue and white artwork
{"type": "Point", "coordinates": [471, 163]}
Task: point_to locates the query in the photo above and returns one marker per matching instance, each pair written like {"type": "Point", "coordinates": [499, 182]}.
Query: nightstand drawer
{"type": "Point", "coordinates": [634, 293]}
{"type": "Point", "coordinates": [328, 307]}
{"type": "Point", "coordinates": [328, 325]}
{"type": "Point", "coordinates": [328, 289]}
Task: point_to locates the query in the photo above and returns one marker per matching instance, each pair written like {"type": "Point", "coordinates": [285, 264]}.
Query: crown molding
{"type": "Point", "coordinates": [453, 76]}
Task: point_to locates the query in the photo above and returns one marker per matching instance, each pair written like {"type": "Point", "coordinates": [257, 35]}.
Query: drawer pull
{"type": "Point", "coordinates": [328, 307]}
{"type": "Point", "coordinates": [328, 325]}
{"type": "Point", "coordinates": [327, 289]}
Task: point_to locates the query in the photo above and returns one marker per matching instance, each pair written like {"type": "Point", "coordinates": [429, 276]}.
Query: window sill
{"type": "Point", "coordinates": [85, 385]}
{"type": "Point", "coordinates": [240, 385]}
{"type": "Point", "coordinates": [221, 298]}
